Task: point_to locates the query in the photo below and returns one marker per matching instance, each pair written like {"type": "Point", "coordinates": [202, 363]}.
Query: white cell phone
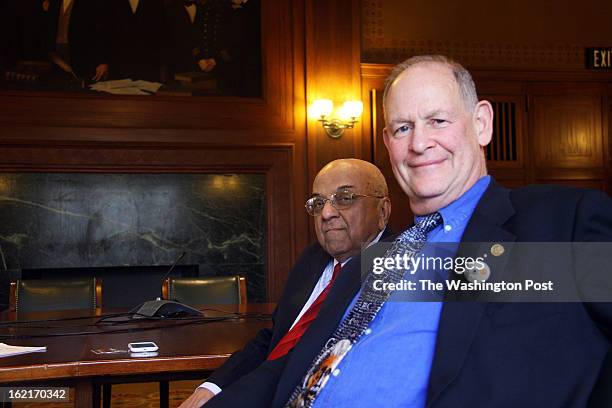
{"type": "Point", "coordinates": [142, 347]}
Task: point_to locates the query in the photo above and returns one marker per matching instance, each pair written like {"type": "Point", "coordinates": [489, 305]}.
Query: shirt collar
{"type": "Point", "coordinates": [459, 211]}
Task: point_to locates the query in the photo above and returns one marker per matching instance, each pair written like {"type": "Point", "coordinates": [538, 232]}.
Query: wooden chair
{"type": "Point", "coordinates": [206, 290]}
{"type": "Point", "coordinates": [55, 294]}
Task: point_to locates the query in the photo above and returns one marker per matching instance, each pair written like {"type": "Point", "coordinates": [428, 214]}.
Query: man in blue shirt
{"type": "Point", "coordinates": [435, 140]}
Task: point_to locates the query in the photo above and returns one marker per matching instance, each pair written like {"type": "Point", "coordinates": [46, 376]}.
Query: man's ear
{"type": "Point", "coordinates": [483, 122]}
{"type": "Point", "coordinates": [385, 213]}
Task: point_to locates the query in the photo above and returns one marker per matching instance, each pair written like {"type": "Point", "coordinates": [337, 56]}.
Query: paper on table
{"type": "Point", "coordinates": [126, 87]}
{"type": "Point", "coordinates": [148, 85]}
{"type": "Point", "coordinates": [126, 91]}
{"type": "Point", "coordinates": [7, 350]}
{"type": "Point", "coordinates": [107, 85]}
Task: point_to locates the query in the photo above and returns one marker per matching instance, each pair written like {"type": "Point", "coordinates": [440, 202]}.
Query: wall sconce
{"type": "Point", "coordinates": [348, 114]}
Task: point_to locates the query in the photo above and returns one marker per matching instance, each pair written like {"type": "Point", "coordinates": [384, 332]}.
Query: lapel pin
{"type": "Point", "coordinates": [497, 250]}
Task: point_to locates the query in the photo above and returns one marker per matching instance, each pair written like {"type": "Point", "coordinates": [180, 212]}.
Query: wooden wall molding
{"type": "Point", "coordinates": [482, 54]}
{"type": "Point", "coordinates": [61, 135]}
{"type": "Point", "coordinates": [577, 123]}
{"type": "Point", "coordinates": [380, 71]}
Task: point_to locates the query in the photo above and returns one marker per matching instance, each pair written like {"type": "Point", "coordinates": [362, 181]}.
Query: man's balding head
{"type": "Point", "coordinates": [435, 131]}
{"type": "Point", "coordinates": [342, 232]}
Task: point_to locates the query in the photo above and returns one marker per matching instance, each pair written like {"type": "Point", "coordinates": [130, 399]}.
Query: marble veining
{"type": "Point", "coordinates": [60, 220]}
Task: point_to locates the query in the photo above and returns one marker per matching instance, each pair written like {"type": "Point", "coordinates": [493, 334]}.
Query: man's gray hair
{"type": "Point", "coordinates": [467, 88]}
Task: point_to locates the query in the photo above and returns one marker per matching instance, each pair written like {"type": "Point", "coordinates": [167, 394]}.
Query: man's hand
{"type": "Point", "coordinates": [207, 64]}
{"type": "Point", "coordinates": [199, 397]}
{"type": "Point", "coordinates": [101, 72]}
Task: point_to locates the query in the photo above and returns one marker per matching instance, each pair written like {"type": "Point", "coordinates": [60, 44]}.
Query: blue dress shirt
{"type": "Point", "coordinates": [389, 366]}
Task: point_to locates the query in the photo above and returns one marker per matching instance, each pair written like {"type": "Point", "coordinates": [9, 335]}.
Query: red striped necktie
{"type": "Point", "coordinates": [290, 339]}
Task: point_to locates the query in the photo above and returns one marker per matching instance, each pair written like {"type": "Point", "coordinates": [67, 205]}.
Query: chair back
{"type": "Point", "coordinates": [55, 294]}
{"type": "Point", "coordinates": [220, 290]}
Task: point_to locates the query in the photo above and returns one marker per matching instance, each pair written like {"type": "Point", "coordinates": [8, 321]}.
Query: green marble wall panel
{"type": "Point", "coordinates": [64, 220]}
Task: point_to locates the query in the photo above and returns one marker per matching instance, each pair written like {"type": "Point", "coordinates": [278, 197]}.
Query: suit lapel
{"type": "Point", "coordinates": [339, 298]}
{"type": "Point", "coordinates": [459, 318]}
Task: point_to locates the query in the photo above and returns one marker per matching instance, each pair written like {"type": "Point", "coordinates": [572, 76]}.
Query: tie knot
{"type": "Point", "coordinates": [418, 232]}
{"type": "Point", "coordinates": [428, 222]}
{"type": "Point", "coordinates": [336, 272]}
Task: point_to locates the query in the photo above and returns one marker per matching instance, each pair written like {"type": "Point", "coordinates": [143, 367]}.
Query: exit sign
{"type": "Point", "coordinates": [599, 58]}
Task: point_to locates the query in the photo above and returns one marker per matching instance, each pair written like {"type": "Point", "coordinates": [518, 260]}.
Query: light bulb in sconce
{"type": "Point", "coordinates": [321, 108]}
{"type": "Point", "coordinates": [350, 110]}
{"type": "Point", "coordinates": [345, 117]}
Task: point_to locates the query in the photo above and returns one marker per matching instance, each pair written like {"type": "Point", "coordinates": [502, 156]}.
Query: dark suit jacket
{"type": "Point", "coordinates": [183, 38]}
{"type": "Point", "coordinates": [135, 39]}
{"type": "Point", "coordinates": [206, 37]}
{"type": "Point", "coordinates": [489, 354]}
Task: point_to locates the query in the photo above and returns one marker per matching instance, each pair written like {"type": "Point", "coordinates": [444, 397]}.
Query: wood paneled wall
{"type": "Point", "coordinates": [332, 72]}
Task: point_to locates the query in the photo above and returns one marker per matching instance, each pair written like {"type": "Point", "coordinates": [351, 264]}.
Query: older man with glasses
{"type": "Point", "coordinates": [350, 209]}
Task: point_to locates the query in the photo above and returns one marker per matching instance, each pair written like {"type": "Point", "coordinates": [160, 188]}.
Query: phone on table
{"type": "Point", "coordinates": [142, 347]}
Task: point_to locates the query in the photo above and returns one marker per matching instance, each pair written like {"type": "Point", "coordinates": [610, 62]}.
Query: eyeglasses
{"type": "Point", "coordinates": [340, 200]}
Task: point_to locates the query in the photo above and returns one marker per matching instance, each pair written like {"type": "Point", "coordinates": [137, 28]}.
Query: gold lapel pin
{"type": "Point", "coordinates": [497, 250]}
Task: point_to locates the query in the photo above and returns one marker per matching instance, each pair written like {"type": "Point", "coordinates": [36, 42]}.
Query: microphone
{"type": "Point", "coordinates": [165, 308]}
{"type": "Point", "coordinates": [177, 260]}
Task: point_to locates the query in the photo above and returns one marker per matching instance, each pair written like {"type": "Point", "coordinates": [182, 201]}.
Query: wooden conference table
{"type": "Point", "coordinates": [185, 350]}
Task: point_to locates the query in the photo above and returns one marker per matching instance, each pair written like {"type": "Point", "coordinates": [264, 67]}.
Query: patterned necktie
{"type": "Point", "coordinates": [290, 339]}
{"type": "Point", "coordinates": [369, 302]}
